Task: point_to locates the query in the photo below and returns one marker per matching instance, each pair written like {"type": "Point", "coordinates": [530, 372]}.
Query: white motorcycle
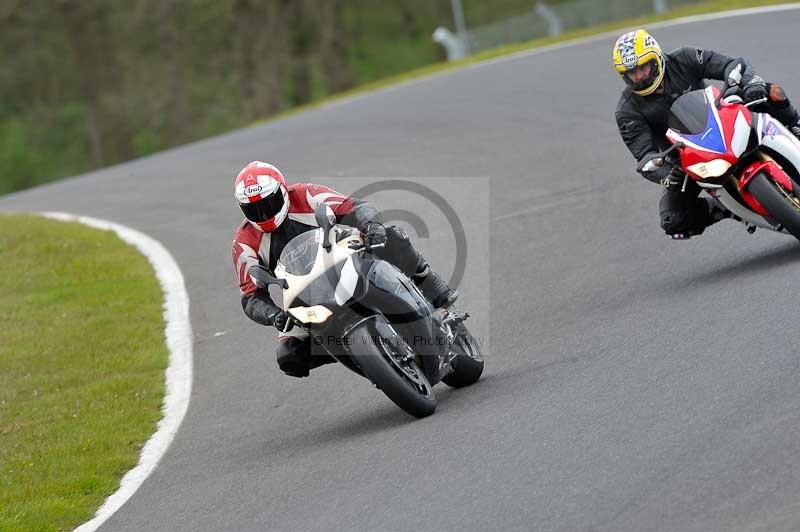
{"type": "Point", "coordinates": [370, 317]}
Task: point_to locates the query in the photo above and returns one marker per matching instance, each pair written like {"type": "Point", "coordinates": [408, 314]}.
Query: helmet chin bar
{"type": "Point", "coordinates": [653, 81]}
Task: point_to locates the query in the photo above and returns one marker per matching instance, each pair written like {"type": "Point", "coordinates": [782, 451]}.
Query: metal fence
{"type": "Point", "coordinates": [545, 20]}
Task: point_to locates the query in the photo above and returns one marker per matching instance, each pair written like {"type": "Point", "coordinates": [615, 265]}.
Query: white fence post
{"type": "Point", "coordinates": [660, 6]}
{"type": "Point", "coordinates": [458, 18]}
{"type": "Point", "coordinates": [555, 26]}
{"type": "Point", "coordinates": [453, 45]}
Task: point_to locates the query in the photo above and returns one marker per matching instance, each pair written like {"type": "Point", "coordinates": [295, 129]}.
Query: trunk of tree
{"type": "Point", "coordinates": [302, 32]}
{"type": "Point", "coordinates": [261, 53]}
{"type": "Point", "coordinates": [177, 121]}
{"type": "Point", "coordinates": [244, 13]}
{"type": "Point", "coordinates": [78, 23]}
{"type": "Point", "coordinates": [335, 48]}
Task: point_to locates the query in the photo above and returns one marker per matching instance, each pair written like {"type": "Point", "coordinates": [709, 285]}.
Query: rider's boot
{"type": "Point", "coordinates": [716, 213]}
{"type": "Point", "coordinates": [433, 287]}
{"type": "Point", "coordinates": [708, 213]}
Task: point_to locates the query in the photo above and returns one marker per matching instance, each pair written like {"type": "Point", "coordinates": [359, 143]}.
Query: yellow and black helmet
{"type": "Point", "coordinates": [635, 49]}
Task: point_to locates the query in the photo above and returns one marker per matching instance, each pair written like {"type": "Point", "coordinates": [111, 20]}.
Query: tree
{"type": "Point", "coordinates": [177, 126]}
{"type": "Point", "coordinates": [261, 51]}
{"type": "Point", "coordinates": [335, 45]}
{"type": "Point", "coordinates": [299, 15]}
{"type": "Point", "coordinates": [86, 24]}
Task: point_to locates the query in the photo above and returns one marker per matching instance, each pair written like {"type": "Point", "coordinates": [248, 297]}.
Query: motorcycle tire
{"type": "Point", "coordinates": [402, 381]}
{"type": "Point", "coordinates": [781, 204]}
{"type": "Point", "coordinates": [468, 364]}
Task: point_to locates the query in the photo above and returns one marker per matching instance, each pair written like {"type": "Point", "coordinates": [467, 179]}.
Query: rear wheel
{"type": "Point", "coordinates": [393, 369]}
{"type": "Point", "coordinates": [782, 205]}
{"type": "Point", "coordinates": [468, 364]}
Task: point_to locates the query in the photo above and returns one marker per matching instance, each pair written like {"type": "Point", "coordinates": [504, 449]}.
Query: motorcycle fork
{"type": "Point", "coordinates": [448, 321]}
{"type": "Point", "coordinates": [775, 173]}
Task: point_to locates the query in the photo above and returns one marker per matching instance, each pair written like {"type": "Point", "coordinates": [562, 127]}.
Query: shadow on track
{"type": "Point", "coordinates": [387, 419]}
{"type": "Point", "coordinates": [750, 267]}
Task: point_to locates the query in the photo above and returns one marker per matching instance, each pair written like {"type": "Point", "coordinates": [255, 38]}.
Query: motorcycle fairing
{"type": "Point", "coordinates": [331, 280]}
{"type": "Point", "coordinates": [774, 136]}
{"type": "Point", "coordinates": [726, 135]}
{"type": "Point", "coordinates": [684, 127]}
{"type": "Point", "coordinates": [397, 298]}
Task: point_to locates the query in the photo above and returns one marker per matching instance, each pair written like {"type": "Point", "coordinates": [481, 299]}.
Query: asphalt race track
{"type": "Point", "coordinates": [632, 383]}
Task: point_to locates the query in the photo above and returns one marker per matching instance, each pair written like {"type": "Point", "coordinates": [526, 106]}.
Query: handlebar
{"type": "Point", "coordinates": [360, 246]}
{"type": "Point", "coordinates": [756, 102]}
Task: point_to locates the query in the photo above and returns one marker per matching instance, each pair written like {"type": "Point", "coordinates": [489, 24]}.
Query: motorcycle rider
{"type": "Point", "coordinates": [274, 214]}
{"type": "Point", "coordinates": [654, 80]}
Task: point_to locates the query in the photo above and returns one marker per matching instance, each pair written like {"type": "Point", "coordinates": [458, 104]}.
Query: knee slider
{"type": "Point", "coordinates": [675, 221]}
{"type": "Point", "coordinates": [293, 357]}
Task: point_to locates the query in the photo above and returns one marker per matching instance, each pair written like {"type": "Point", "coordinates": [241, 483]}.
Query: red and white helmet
{"type": "Point", "coordinates": [261, 192]}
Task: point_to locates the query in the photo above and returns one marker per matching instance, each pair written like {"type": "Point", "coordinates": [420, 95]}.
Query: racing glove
{"type": "Point", "coordinates": [278, 319]}
{"type": "Point", "coordinates": [756, 89]}
{"type": "Point", "coordinates": [658, 170]}
{"type": "Point", "coordinates": [735, 72]}
{"type": "Point", "coordinates": [263, 310]}
{"type": "Point", "coordinates": [375, 237]}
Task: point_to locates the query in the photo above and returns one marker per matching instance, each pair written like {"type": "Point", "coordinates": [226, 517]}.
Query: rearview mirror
{"type": "Point", "coordinates": [262, 278]}
{"type": "Point", "coordinates": [325, 219]}
{"type": "Point", "coordinates": [324, 216]}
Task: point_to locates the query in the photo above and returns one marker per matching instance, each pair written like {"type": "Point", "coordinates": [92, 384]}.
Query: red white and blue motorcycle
{"type": "Point", "coordinates": [748, 162]}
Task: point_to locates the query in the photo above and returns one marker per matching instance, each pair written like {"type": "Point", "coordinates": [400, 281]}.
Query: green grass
{"type": "Point", "coordinates": [82, 360]}
{"type": "Point", "coordinates": [696, 9]}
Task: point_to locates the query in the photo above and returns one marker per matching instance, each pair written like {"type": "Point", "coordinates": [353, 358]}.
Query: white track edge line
{"type": "Point", "coordinates": [178, 376]}
{"type": "Point", "coordinates": [568, 44]}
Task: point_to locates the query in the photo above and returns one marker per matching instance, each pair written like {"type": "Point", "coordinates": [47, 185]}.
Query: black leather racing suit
{"type": "Point", "coordinates": [642, 122]}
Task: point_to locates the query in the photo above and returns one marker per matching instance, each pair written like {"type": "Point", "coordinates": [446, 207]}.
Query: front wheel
{"type": "Point", "coordinates": [779, 202]}
{"type": "Point", "coordinates": [387, 365]}
{"type": "Point", "coordinates": [468, 363]}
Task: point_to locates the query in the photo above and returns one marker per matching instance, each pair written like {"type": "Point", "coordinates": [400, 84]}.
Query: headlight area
{"type": "Point", "coordinates": [714, 168]}
{"type": "Point", "coordinates": [315, 314]}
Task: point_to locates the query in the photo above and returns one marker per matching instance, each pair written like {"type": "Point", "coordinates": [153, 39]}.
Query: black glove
{"type": "Point", "coordinates": [278, 319]}
{"type": "Point", "coordinates": [658, 170]}
{"type": "Point", "coordinates": [674, 179]}
{"type": "Point", "coordinates": [734, 72]}
{"type": "Point", "coordinates": [375, 237]}
{"type": "Point", "coordinates": [756, 89]}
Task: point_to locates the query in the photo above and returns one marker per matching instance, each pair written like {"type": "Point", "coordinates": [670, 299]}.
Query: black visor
{"type": "Point", "coordinates": [264, 209]}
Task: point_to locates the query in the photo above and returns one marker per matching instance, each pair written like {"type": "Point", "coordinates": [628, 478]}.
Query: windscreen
{"type": "Point", "coordinates": [690, 113]}
{"type": "Point", "coordinates": [300, 253]}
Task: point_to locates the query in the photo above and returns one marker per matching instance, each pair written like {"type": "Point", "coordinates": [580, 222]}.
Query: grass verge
{"type": "Point", "coordinates": [82, 360]}
{"type": "Point", "coordinates": [685, 11]}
